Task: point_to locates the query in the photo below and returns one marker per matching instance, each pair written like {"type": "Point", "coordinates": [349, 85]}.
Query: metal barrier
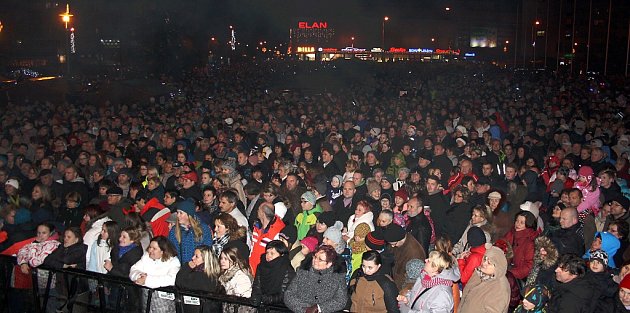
{"type": "Point", "coordinates": [72, 279]}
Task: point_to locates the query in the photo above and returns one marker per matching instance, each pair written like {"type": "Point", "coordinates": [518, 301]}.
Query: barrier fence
{"type": "Point", "coordinates": [81, 288]}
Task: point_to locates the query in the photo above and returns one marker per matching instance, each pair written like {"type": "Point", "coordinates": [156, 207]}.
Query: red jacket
{"type": "Point", "coordinates": [468, 265]}
{"type": "Point", "coordinates": [260, 238]}
{"type": "Point", "coordinates": [523, 246]}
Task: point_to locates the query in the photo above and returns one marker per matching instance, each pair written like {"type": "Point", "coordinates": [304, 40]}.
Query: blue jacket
{"type": "Point", "coordinates": [186, 248]}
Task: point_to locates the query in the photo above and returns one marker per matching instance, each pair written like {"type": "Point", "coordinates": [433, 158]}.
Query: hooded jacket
{"type": "Point", "coordinates": [488, 294]}
{"type": "Point", "coordinates": [544, 265]}
{"type": "Point", "coordinates": [438, 299]}
{"type": "Point", "coordinates": [374, 293]}
{"type": "Point", "coordinates": [610, 245]}
{"type": "Point", "coordinates": [523, 245]}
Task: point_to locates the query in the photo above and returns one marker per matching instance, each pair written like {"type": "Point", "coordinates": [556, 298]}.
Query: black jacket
{"type": "Point", "coordinates": [572, 297]}
{"type": "Point", "coordinates": [439, 205]}
{"type": "Point", "coordinates": [568, 240]}
{"type": "Point", "coordinates": [272, 280]}
{"type": "Point", "coordinates": [74, 254]}
{"type": "Point", "coordinates": [122, 265]}
{"type": "Point", "coordinates": [197, 281]}
{"type": "Point", "coordinates": [605, 289]}
{"type": "Point", "coordinates": [457, 219]}
{"type": "Point", "coordinates": [420, 228]}
{"type": "Point", "coordinates": [343, 213]}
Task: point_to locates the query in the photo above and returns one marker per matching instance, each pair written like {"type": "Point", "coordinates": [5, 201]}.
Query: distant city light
{"type": "Point", "coordinates": [447, 9]}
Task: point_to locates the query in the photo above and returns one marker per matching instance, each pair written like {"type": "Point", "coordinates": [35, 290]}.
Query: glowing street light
{"type": "Point", "coordinates": [385, 19]}
{"type": "Point", "coordinates": [352, 38]}
{"type": "Point", "coordinates": [65, 17]}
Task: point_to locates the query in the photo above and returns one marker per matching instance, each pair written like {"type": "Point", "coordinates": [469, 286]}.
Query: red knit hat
{"type": "Point", "coordinates": [625, 282]}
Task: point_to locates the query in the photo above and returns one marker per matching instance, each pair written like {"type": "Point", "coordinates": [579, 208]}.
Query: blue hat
{"type": "Point", "coordinates": [187, 206]}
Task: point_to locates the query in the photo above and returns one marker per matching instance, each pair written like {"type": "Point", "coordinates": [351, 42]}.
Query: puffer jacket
{"type": "Point", "coordinates": [272, 280]}
{"type": "Point", "coordinates": [437, 299]}
{"type": "Point", "coordinates": [470, 263]}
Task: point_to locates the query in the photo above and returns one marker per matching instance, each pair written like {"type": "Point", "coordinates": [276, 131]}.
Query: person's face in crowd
{"type": "Point", "coordinates": [123, 179]}
{"type": "Point", "coordinates": [585, 153]}
{"type": "Point", "coordinates": [181, 157]}
{"type": "Point", "coordinates": [510, 173]}
{"type": "Point", "coordinates": [320, 227]}
{"type": "Point", "coordinates": [406, 150]}
{"type": "Point", "coordinates": [625, 270]}
{"type": "Point", "coordinates": [43, 233]}
{"type": "Point", "coordinates": [320, 262]}
{"type": "Point", "coordinates": [597, 155]}
{"type": "Point", "coordinates": [605, 180]}
{"type": "Point", "coordinates": [519, 223]}
{"type": "Point", "coordinates": [326, 157]}
{"type": "Point", "coordinates": [376, 194]}
{"type": "Point", "coordinates": [566, 219]}
{"type": "Point", "coordinates": [282, 171]}
{"type": "Point", "coordinates": [370, 267]}
{"type": "Point", "coordinates": [430, 268]}
{"type": "Point", "coordinates": [71, 203]}
{"type": "Point", "coordinates": [575, 199]}
{"type": "Point", "coordinates": [399, 201]}
{"type": "Point", "coordinates": [432, 186]}
{"type": "Point", "coordinates": [124, 239]}
{"type": "Point", "coordinates": [563, 275]}
{"type": "Point", "coordinates": [104, 234]}
{"type": "Point", "coordinates": [208, 197]}
{"type": "Point", "coordinates": [494, 203]}
{"type": "Point", "coordinates": [357, 178]}
{"type": "Point", "coordinates": [36, 194]}
{"type": "Point", "coordinates": [219, 228]}
{"type": "Point", "coordinates": [45, 164]}
{"type": "Point", "coordinates": [466, 167]}
{"type": "Point", "coordinates": [486, 169]}
{"type": "Point", "coordinates": [596, 244]}
{"type": "Point", "coordinates": [224, 262]}
{"type": "Point", "coordinates": [271, 254]}
{"type": "Point", "coordinates": [70, 174]}
{"type": "Point", "coordinates": [530, 162]}
{"type": "Point", "coordinates": [183, 218]}
{"type": "Point", "coordinates": [477, 217]}
{"type": "Point", "coordinates": [155, 252]}
{"type": "Point", "coordinates": [113, 199]}
{"type": "Point", "coordinates": [169, 199]}
{"type": "Point", "coordinates": [187, 183]}
{"type": "Point", "coordinates": [348, 190]}
{"type": "Point", "coordinates": [291, 182]}
{"type": "Point", "coordinates": [487, 267]}
{"type": "Point", "coordinates": [360, 211]}
{"type": "Point", "coordinates": [413, 207]}
{"type": "Point", "coordinates": [370, 159]}
{"type": "Point", "coordinates": [496, 145]}
{"type": "Point", "coordinates": [308, 155]}
{"type": "Point", "coordinates": [225, 206]}
{"type": "Point", "coordinates": [624, 296]}
{"type": "Point", "coordinates": [69, 238]}
{"type": "Point", "coordinates": [613, 229]}
{"type": "Point", "coordinates": [458, 197]}
{"type": "Point", "coordinates": [242, 158]}
{"type": "Point", "coordinates": [564, 198]}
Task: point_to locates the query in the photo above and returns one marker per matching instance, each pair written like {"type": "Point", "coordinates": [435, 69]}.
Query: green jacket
{"type": "Point", "coordinates": [305, 220]}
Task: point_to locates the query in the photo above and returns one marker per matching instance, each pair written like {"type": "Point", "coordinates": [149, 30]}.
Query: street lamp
{"type": "Point", "coordinates": [536, 23]}
{"type": "Point", "coordinates": [352, 41]}
{"type": "Point", "coordinates": [65, 16]}
{"type": "Point", "coordinates": [385, 19]}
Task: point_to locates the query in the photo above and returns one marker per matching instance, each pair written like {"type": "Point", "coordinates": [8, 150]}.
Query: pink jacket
{"type": "Point", "coordinates": [34, 253]}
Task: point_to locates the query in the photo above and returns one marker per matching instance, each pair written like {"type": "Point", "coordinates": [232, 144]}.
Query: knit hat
{"type": "Point", "coordinates": [229, 165]}
{"type": "Point", "coordinates": [327, 218]}
{"type": "Point", "coordinates": [389, 178]}
{"type": "Point", "coordinates": [483, 180]}
{"type": "Point", "coordinates": [190, 176]}
{"type": "Point", "coordinates": [117, 191]}
{"type": "Point", "coordinates": [622, 200]}
{"type": "Point", "coordinates": [374, 240]}
{"type": "Point", "coordinates": [362, 230]}
{"type": "Point", "coordinates": [280, 209]}
{"type": "Point", "coordinates": [372, 186]}
{"type": "Point", "coordinates": [402, 193]}
{"type": "Point", "coordinates": [494, 195]}
{"type": "Point", "coordinates": [22, 216]}
{"type": "Point", "coordinates": [339, 178]}
{"type": "Point", "coordinates": [533, 207]}
{"type": "Point", "coordinates": [309, 197]}
{"type": "Point", "coordinates": [310, 243]}
{"type": "Point", "coordinates": [475, 236]}
{"type": "Point", "coordinates": [538, 295]}
{"type": "Point", "coordinates": [393, 233]}
{"type": "Point", "coordinates": [413, 269]}
{"type": "Point", "coordinates": [13, 182]}
{"type": "Point", "coordinates": [585, 171]}
{"type": "Point", "coordinates": [601, 256]}
{"type": "Point", "coordinates": [187, 206]}
{"type": "Point", "coordinates": [334, 234]}
{"type": "Point", "coordinates": [462, 130]}
{"type": "Point", "coordinates": [625, 282]}
{"type": "Point", "coordinates": [321, 187]}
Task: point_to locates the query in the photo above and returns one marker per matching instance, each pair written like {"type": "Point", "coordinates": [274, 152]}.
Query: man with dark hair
{"type": "Point", "coordinates": [572, 292]}
{"type": "Point", "coordinates": [437, 202]}
{"type": "Point", "coordinates": [329, 168]}
{"type": "Point", "coordinates": [227, 204]}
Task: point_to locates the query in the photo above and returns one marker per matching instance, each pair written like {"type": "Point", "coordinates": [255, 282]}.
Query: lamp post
{"type": "Point", "coordinates": [534, 37]}
{"type": "Point", "coordinates": [385, 19]}
{"type": "Point", "coordinates": [352, 38]}
{"type": "Point", "coordinates": [65, 18]}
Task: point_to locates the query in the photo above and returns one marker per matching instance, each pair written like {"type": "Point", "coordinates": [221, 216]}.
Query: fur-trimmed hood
{"type": "Point", "coordinates": [551, 258]}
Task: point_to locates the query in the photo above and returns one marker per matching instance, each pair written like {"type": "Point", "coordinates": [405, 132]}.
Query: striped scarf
{"type": "Point", "coordinates": [430, 282]}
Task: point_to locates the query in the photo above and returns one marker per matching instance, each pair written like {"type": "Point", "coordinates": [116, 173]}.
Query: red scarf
{"type": "Point", "coordinates": [430, 282]}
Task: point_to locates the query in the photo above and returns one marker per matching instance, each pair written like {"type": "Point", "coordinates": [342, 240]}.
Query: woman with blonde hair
{"type": "Point", "coordinates": [235, 278]}
{"type": "Point", "coordinates": [188, 232]}
{"type": "Point", "coordinates": [201, 274]}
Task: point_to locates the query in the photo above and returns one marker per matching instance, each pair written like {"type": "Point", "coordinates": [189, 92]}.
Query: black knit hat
{"type": "Point", "coordinates": [393, 233]}
{"type": "Point", "coordinates": [327, 218]}
{"type": "Point", "coordinates": [374, 240]}
{"type": "Point", "coordinates": [476, 237]}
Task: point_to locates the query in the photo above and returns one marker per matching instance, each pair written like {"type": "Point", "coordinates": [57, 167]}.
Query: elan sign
{"type": "Point", "coordinates": [309, 25]}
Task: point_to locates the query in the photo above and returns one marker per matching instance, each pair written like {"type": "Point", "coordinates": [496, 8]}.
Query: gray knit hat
{"type": "Point", "coordinates": [414, 268]}
{"type": "Point", "coordinates": [309, 196]}
{"type": "Point", "coordinates": [334, 234]}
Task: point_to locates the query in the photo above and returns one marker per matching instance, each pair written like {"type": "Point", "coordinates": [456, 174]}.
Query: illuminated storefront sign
{"type": "Point", "coordinates": [306, 25]}
{"type": "Point", "coordinates": [352, 49]}
{"type": "Point", "coordinates": [420, 50]}
{"type": "Point", "coordinates": [447, 51]}
{"type": "Point", "coordinates": [470, 54]}
{"type": "Point", "coordinates": [328, 50]}
{"type": "Point", "coordinates": [305, 49]}
{"type": "Point", "coordinates": [397, 50]}
{"type": "Point", "coordinates": [376, 50]}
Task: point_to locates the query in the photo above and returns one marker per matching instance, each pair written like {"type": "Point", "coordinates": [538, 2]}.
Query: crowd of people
{"type": "Point", "coordinates": [420, 188]}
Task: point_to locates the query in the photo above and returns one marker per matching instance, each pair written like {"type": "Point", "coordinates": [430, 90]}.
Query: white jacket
{"type": "Point", "coordinates": [159, 273]}
{"type": "Point", "coordinates": [240, 285]}
{"type": "Point", "coordinates": [92, 234]}
{"type": "Point", "coordinates": [352, 223]}
{"type": "Point", "coordinates": [100, 252]}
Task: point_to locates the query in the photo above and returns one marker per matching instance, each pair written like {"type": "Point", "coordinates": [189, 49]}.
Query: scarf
{"type": "Point", "coordinates": [357, 247]}
{"type": "Point", "coordinates": [430, 282]}
{"type": "Point", "coordinates": [218, 243]}
{"type": "Point", "coordinates": [123, 250]}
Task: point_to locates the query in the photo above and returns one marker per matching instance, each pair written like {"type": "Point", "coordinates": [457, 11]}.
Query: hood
{"type": "Point", "coordinates": [610, 243]}
{"type": "Point", "coordinates": [451, 273]}
{"type": "Point", "coordinates": [152, 203]}
{"type": "Point", "coordinates": [497, 257]}
{"type": "Point", "coordinates": [551, 257]}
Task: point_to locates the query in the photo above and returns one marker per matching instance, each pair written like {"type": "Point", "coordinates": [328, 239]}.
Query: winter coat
{"type": "Point", "coordinates": [410, 249]}
{"type": "Point", "coordinates": [367, 218]}
{"type": "Point", "coordinates": [196, 280]}
{"type": "Point", "coordinates": [572, 297]}
{"type": "Point", "coordinates": [612, 306]}
{"type": "Point", "coordinates": [523, 246]}
{"type": "Point", "coordinates": [35, 253]}
{"type": "Point", "coordinates": [438, 299]}
{"type": "Point", "coordinates": [325, 288]}
{"type": "Point", "coordinates": [610, 245]}
{"type": "Point", "coordinates": [373, 293]}
{"type": "Point", "coordinates": [236, 282]}
{"type": "Point", "coordinates": [118, 211]}
{"type": "Point", "coordinates": [74, 254]}
{"type": "Point", "coordinates": [159, 273]}
{"type": "Point", "coordinates": [568, 240]}
{"type": "Point", "coordinates": [122, 265]}
{"type": "Point", "coordinates": [186, 248]}
{"type": "Point", "coordinates": [272, 280]}
{"type": "Point", "coordinates": [457, 219]}
{"type": "Point", "coordinates": [305, 220]}
{"type": "Point", "coordinates": [470, 263]}
{"type": "Point", "coordinates": [91, 235]}
{"type": "Point", "coordinates": [260, 238]}
{"type": "Point", "coordinates": [488, 294]}
{"type": "Point", "coordinates": [98, 252]}
{"type": "Point", "coordinates": [420, 228]}
{"type": "Point", "coordinates": [605, 289]}
{"type": "Point", "coordinates": [544, 266]}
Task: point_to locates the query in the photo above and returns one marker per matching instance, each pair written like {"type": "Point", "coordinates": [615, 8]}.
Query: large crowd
{"type": "Point", "coordinates": [416, 188]}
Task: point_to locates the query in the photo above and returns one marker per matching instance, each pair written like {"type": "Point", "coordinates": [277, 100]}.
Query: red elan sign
{"type": "Point", "coordinates": [308, 25]}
